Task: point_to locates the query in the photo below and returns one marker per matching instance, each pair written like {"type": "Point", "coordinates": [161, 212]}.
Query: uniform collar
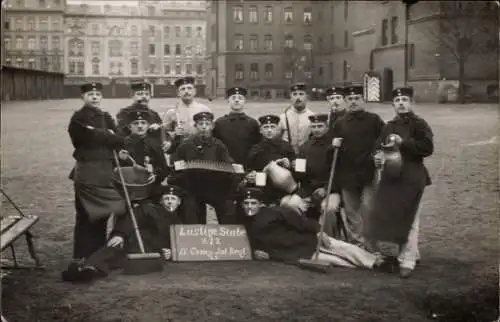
{"type": "Point", "coordinates": [360, 114]}
{"type": "Point", "coordinates": [92, 109]}
{"type": "Point", "coordinates": [405, 117]}
{"type": "Point", "coordinates": [199, 140]}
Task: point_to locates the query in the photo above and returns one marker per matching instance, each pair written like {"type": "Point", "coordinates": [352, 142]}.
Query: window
{"type": "Point", "coordinates": [320, 44]}
{"type": "Point", "coordinates": [346, 39]}
{"type": "Point", "coordinates": [238, 14]}
{"type": "Point", "coordinates": [178, 70]}
{"type": "Point", "coordinates": [238, 42]}
{"type": "Point", "coordinates": [289, 41]}
{"type": "Point", "coordinates": [268, 42]}
{"type": "Point", "coordinates": [307, 16]}
{"type": "Point", "coordinates": [19, 42]}
{"type": "Point", "coordinates": [346, 9]}
{"type": "Point", "coordinates": [152, 49]}
{"type": "Point", "coordinates": [31, 43]}
{"type": "Point", "coordinates": [151, 11]}
{"type": "Point", "coordinates": [20, 62]}
{"type": "Point", "coordinates": [19, 24]}
{"type": "Point", "coordinates": [385, 27]}
{"type": "Point", "coordinates": [30, 24]}
{"type": "Point", "coordinates": [288, 74]}
{"type": "Point", "coordinates": [253, 15]}
{"type": "Point", "coordinates": [31, 63]}
{"type": "Point", "coordinates": [320, 71]}
{"type": "Point", "coordinates": [115, 68]}
{"type": "Point", "coordinates": [188, 50]}
{"type": "Point", "coordinates": [189, 69]}
{"type": "Point", "coordinates": [115, 48]}
{"type": "Point", "coordinates": [254, 71]}
{"type": "Point", "coordinates": [199, 31]}
{"type": "Point", "coordinates": [166, 32]}
{"type": "Point", "coordinates": [268, 14]}
{"type": "Point", "coordinates": [152, 68]}
{"type": "Point", "coordinates": [7, 42]}
{"type": "Point", "coordinates": [95, 48]}
{"type": "Point", "coordinates": [20, 3]}
{"type": "Point", "coordinates": [411, 56]}
{"type": "Point", "coordinates": [151, 31]}
{"type": "Point", "coordinates": [189, 32]}
{"type": "Point", "coordinates": [71, 67]}
{"type": "Point", "coordinates": [177, 31]}
{"type": "Point", "coordinates": [320, 16]}
{"type": "Point", "coordinates": [75, 48]}
{"type": "Point", "coordinates": [239, 72]}
{"type": "Point", "coordinates": [96, 66]}
{"type": "Point", "coordinates": [288, 15]}
{"type": "Point", "coordinates": [134, 48]}
{"type": "Point", "coordinates": [199, 69]}
{"type": "Point", "coordinates": [56, 63]}
{"type": "Point", "coordinates": [133, 30]}
{"type": "Point", "coordinates": [80, 68]}
{"type": "Point", "coordinates": [134, 67]}
{"type": "Point", "coordinates": [44, 43]}
{"type": "Point", "coordinates": [268, 71]}
{"type": "Point", "coordinates": [254, 43]}
{"type": "Point", "coordinates": [42, 3]}
{"type": "Point", "coordinates": [56, 24]}
{"type": "Point", "coordinates": [199, 50]}
{"type": "Point", "coordinates": [332, 42]}
{"type": "Point", "coordinates": [56, 43]}
{"type": "Point", "coordinates": [307, 42]}
{"type": "Point", "coordinates": [166, 69]}
{"type": "Point", "coordinates": [331, 70]}
{"type": "Point", "coordinates": [43, 23]}
{"type": "Point", "coordinates": [8, 62]}
{"type": "Point", "coordinates": [177, 49]}
{"type": "Point", "coordinates": [345, 70]}
{"type": "Point", "coordinates": [166, 49]}
{"type": "Point", "coordinates": [394, 30]}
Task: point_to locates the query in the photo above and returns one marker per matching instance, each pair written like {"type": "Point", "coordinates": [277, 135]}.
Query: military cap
{"type": "Point", "coordinates": [140, 86]}
{"type": "Point", "coordinates": [237, 90]}
{"type": "Point", "coordinates": [298, 87]}
{"type": "Point", "coordinates": [269, 119]}
{"type": "Point", "coordinates": [402, 91]}
{"type": "Point", "coordinates": [335, 91]}
{"type": "Point", "coordinates": [185, 80]}
{"type": "Point", "coordinates": [91, 87]}
{"type": "Point", "coordinates": [353, 90]}
{"type": "Point", "coordinates": [251, 193]}
{"type": "Point", "coordinates": [318, 118]}
{"type": "Point", "coordinates": [138, 114]}
{"type": "Point", "coordinates": [203, 116]}
{"type": "Point", "coordinates": [172, 190]}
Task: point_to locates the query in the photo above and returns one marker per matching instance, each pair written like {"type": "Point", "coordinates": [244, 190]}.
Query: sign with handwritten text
{"type": "Point", "coordinates": [209, 243]}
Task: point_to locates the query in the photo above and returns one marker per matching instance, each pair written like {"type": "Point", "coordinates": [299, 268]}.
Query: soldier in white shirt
{"type": "Point", "coordinates": [295, 120]}
{"type": "Point", "coordinates": [180, 118]}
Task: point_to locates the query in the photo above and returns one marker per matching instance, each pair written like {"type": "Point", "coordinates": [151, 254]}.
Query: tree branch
{"type": "Point", "coordinates": [442, 40]}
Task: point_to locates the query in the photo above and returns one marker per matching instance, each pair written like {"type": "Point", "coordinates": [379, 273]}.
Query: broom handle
{"type": "Point", "coordinates": [129, 205]}
{"type": "Point", "coordinates": [327, 203]}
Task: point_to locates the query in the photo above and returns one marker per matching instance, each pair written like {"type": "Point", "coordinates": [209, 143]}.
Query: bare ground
{"type": "Point", "coordinates": [457, 280]}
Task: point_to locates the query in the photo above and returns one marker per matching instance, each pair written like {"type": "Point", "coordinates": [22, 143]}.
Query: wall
{"type": "Point", "coordinates": [26, 84]}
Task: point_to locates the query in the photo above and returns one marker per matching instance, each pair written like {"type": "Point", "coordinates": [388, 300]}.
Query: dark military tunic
{"type": "Point", "coordinates": [204, 186]}
{"type": "Point", "coordinates": [334, 117]}
{"type": "Point", "coordinates": [239, 132]}
{"type": "Point", "coordinates": [121, 117]}
{"type": "Point", "coordinates": [397, 199]}
{"type": "Point", "coordinates": [263, 153]}
{"type": "Point", "coordinates": [283, 234]}
{"type": "Point", "coordinates": [359, 130]}
{"type": "Point", "coordinates": [95, 197]}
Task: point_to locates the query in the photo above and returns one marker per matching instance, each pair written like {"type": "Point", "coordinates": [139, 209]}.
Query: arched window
{"type": "Point", "coordinates": [75, 47]}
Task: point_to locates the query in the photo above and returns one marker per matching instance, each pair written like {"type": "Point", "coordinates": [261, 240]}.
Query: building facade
{"type": "Point", "coordinates": [115, 42]}
{"type": "Point", "coordinates": [265, 45]}
{"type": "Point", "coordinates": [33, 34]}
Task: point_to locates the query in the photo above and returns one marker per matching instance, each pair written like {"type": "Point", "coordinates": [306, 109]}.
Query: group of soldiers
{"type": "Point", "coordinates": [280, 196]}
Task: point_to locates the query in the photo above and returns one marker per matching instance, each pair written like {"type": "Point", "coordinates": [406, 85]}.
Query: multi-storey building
{"type": "Point", "coordinates": [118, 41]}
{"type": "Point", "coordinates": [33, 34]}
{"type": "Point", "coordinates": [265, 45]}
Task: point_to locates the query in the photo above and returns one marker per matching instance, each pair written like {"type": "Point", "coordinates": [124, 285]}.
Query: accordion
{"type": "Point", "coordinates": [217, 166]}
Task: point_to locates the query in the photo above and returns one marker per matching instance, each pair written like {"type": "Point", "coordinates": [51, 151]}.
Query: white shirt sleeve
{"type": "Point", "coordinates": [284, 128]}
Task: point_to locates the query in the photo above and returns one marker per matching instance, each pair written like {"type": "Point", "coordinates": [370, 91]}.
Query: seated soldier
{"type": "Point", "coordinates": [203, 185]}
{"type": "Point", "coordinates": [141, 148]}
{"type": "Point", "coordinates": [280, 234]}
{"type": "Point", "coordinates": [154, 221]}
{"type": "Point", "coordinates": [272, 149]}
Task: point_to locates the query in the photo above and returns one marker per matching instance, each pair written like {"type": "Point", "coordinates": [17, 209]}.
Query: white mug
{"type": "Point", "coordinates": [260, 179]}
{"type": "Point", "coordinates": [300, 165]}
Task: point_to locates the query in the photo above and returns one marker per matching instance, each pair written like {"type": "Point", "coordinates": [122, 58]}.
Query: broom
{"type": "Point", "coordinates": [316, 264]}
{"type": "Point", "coordinates": [146, 262]}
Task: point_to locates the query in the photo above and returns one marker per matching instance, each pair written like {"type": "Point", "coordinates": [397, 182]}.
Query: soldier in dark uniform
{"type": "Point", "coordinates": [92, 134]}
{"type": "Point", "coordinates": [271, 148]}
{"type": "Point", "coordinates": [280, 234]}
{"type": "Point", "coordinates": [335, 98]}
{"type": "Point", "coordinates": [202, 185]}
{"type": "Point", "coordinates": [141, 95]}
{"type": "Point", "coordinates": [154, 221]}
{"type": "Point", "coordinates": [359, 130]}
{"type": "Point", "coordinates": [238, 131]}
{"type": "Point", "coordinates": [141, 148]}
{"type": "Point", "coordinates": [395, 216]}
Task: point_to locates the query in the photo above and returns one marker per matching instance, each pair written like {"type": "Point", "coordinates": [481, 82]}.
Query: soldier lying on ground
{"type": "Point", "coordinates": [283, 235]}
{"type": "Point", "coordinates": [154, 222]}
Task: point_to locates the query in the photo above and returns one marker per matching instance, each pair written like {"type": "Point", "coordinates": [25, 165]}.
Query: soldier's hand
{"type": "Point", "coordinates": [378, 159]}
{"type": "Point", "coordinates": [115, 241]}
{"type": "Point", "coordinates": [123, 155]}
{"type": "Point", "coordinates": [337, 142]}
{"type": "Point", "coordinates": [251, 177]}
{"type": "Point", "coordinates": [154, 127]}
{"type": "Point", "coordinates": [111, 131]}
{"type": "Point", "coordinates": [261, 255]}
{"type": "Point", "coordinates": [396, 139]}
{"type": "Point", "coordinates": [165, 146]}
{"type": "Point", "coordinates": [284, 162]}
{"type": "Point", "coordinates": [320, 193]}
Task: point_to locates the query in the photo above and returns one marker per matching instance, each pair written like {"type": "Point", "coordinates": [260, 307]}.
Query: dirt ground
{"type": "Point", "coordinates": [456, 281]}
